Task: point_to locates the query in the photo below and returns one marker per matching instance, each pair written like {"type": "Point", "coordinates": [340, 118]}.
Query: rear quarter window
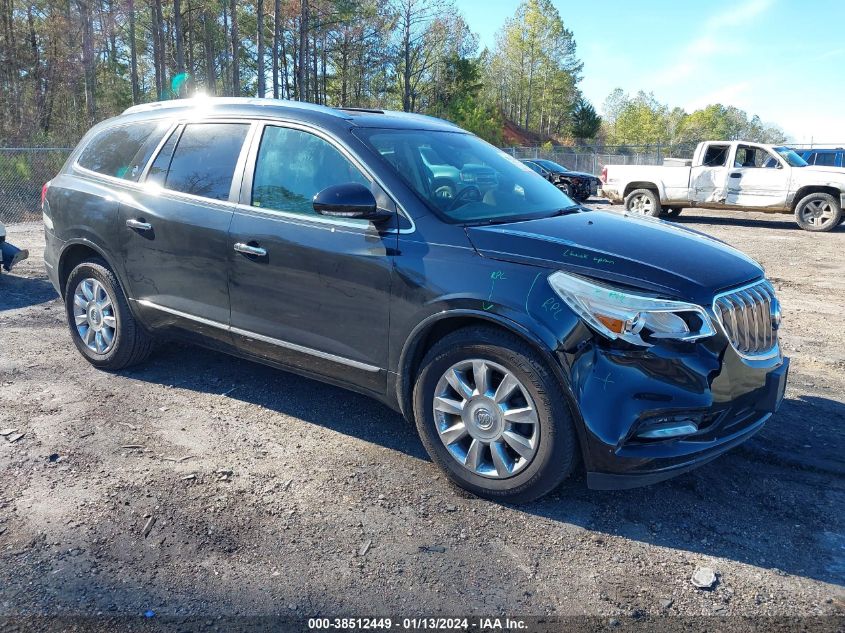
{"type": "Point", "coordinates": [122, 152]}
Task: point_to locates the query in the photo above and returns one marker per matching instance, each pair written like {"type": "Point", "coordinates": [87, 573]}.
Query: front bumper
{"type": "Point", "coordinates": [622, 393]}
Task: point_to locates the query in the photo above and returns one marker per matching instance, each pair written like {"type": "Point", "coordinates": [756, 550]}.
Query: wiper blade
{"type": "Point", "coordinates": [508, 219]}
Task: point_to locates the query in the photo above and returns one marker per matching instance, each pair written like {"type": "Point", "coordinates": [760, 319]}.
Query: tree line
{"type": "Point", "coordinates": [642, 119]}
{"type": "Point", "coordinates": [66, 64]}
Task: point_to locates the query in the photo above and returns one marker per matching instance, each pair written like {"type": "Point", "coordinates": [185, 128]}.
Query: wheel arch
{"type": "Point", "coordinates": [76, 252]}
{"type": "Point", "coordinates": [642, 184]}
{"type": "Point", "coordinates": [433, 328]}
{"type": "Point", "coordinates": [436, 326]}
{"type": "Point", "coordinates": [803, 192]}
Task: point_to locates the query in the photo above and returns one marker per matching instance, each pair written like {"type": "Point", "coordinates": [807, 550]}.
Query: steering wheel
{"type": "Point", "coordinates": [470, 193]}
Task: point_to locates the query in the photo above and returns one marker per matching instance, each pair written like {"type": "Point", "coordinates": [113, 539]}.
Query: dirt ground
{"type": "Point", "coordinates": [203, 486]}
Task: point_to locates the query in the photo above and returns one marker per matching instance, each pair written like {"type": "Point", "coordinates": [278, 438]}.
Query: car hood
{"type": "Point", "coordinates": [579, 174]}
{"type": "Point", "coordinates": [648, 254]}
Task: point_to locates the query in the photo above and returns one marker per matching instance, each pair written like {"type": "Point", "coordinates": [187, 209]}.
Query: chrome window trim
{"type": "Point", "coordinates": [256, 123]}
{"type": "Point", "coordinates": [237, 177]}
{"type": "Point", "coordinates": [348, 153]}
{"type": "Point", "coordinates": [317, 222]}
{"type": "Point", "coordinates": [176, 127]}
{"type": "Point", "coordinates": [338, 144]}
{"type": "Point", "coordinates": [261, 337]}
{"type": "Point", "coordinates": [765, 355]}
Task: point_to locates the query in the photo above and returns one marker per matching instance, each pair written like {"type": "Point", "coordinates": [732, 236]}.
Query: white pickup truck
{"type": "Point", "coordinates": [733, 175]}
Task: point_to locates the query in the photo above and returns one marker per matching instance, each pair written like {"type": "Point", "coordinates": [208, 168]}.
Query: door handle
{"type": "Point", "coordinates": [246, 249]}
{"type": "Point", "coordinates": [736, 175]}
{"type": "Point", "coordinates": [137, 224]}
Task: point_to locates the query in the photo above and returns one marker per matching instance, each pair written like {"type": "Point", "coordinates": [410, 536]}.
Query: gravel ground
{"type": "Point", "coordinates": [199, 485]}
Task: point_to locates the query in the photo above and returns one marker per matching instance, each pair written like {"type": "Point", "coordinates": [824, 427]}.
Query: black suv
{"type": "Point", "coordinates": [519, 332]}
{"type": "Point", "coordinates": [578, 185]}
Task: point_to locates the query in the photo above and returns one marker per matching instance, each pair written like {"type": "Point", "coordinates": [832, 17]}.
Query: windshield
{"type": "Point", "coordinates": [464, 178]}
{"type": "Point", "coordinates": [793, 159]}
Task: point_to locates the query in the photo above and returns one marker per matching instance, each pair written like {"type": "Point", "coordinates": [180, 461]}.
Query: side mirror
{"type": "Point", "coordinates": [349, 200]}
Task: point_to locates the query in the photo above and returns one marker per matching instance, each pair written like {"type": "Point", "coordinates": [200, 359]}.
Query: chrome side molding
{"type": "Point", "coordinates": [261, 337]}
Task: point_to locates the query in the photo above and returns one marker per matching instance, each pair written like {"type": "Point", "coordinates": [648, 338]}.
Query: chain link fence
{"type": "Point", "coordinates": [23, 171]}
{"type": "Point", "coordinates": [592, 158]}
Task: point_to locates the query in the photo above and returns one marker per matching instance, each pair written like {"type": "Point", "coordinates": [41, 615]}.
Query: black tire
{"type": "Point", "coordinates": [829, 204]}
{"type": "Point", "coordinates": [673, 212]}
{"type": "Point", "coordinates": [557, 449]}
{"type": "Point", "coordinates": [643, 202]}
{"type": "Point", "coordinates": [130, 344]}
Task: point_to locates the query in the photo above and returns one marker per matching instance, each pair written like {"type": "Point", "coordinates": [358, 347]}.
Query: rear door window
{"type": "Point", "coordinates": [204, 159]}
{"type": "Point", "coordinates": [122, 152]}
{"type": "Point", "coordinates": [716, 156]}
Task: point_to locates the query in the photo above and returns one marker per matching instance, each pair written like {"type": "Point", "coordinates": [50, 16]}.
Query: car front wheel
{"type": "Point", "coordinates": [101, 324]}
{"type": "Point", "coordinates": [491, 414]}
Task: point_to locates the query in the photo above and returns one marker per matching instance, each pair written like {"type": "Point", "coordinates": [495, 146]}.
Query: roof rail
{"type": "Point", "coordinates": [210, 102]}
{"type": "Point", "coordinates": [350, 109]}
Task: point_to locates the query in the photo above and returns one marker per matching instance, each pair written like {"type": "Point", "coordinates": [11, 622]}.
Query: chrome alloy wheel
{"type": "Point", "coordinates": [641, 205]}
{"type": "Point", "coordinates": [93, 314]}
{"type": "Point", "coordinates": [818, 212]}
{"type": "Point", "coordinates": [486, 418]}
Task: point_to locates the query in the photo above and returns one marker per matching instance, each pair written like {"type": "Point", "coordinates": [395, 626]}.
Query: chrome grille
{"type": "Point", "coordinates": [750, 317]}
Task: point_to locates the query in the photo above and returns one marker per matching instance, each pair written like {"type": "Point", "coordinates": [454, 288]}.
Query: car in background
{"type": "Point", "coordinates": [448, 178]}
{"type": "Point", "coordinates": [577, 185]}
{"type": "Point", "coordinates": [823, 157]}
{"type": "Point", "coordinates": [732, 175]}
{"type": "Point", "coordinates": [9, 255]}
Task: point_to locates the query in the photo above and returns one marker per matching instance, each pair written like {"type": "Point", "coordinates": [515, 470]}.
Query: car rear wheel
{"type": "Point", "coordinates": [492, 416]}
{"type": "Point", "coordinates": [101, 324]}
{"type": "Point", "coordinates": [818, 212]}
{"type": "Point", "coordinates": [643, 202]}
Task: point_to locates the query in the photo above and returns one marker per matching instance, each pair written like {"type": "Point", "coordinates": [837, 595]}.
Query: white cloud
{"type": "Point", "coordinates": [739, 15]}
{"type": "Point", "coordinates": [712, 42]}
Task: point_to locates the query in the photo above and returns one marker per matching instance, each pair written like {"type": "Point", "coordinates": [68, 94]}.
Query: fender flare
{"type": "Point", "coordinates": [404, 381]}
{"type": "Point", "coordinates": [82, 241]}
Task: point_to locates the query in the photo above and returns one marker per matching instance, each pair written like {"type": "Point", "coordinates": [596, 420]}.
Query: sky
{"type": "Point", "coordinates": [783, 60]}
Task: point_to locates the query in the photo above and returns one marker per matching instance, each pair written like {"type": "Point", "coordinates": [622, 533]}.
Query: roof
{"type": "Point", "coordinates": [308, 112]}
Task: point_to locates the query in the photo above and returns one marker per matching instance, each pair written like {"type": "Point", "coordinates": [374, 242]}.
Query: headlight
{"type": "Point", "coordinates": [636, 319]}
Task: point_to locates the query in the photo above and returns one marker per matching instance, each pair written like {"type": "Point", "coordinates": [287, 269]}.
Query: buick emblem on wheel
{"type": "Point", "coordinates": [483, 419]}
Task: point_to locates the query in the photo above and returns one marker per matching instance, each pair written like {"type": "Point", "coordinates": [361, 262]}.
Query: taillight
{"type": "Point", "coordinates": [604, 174]}
{"type": "Point", "coordinates": [44, 193]}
